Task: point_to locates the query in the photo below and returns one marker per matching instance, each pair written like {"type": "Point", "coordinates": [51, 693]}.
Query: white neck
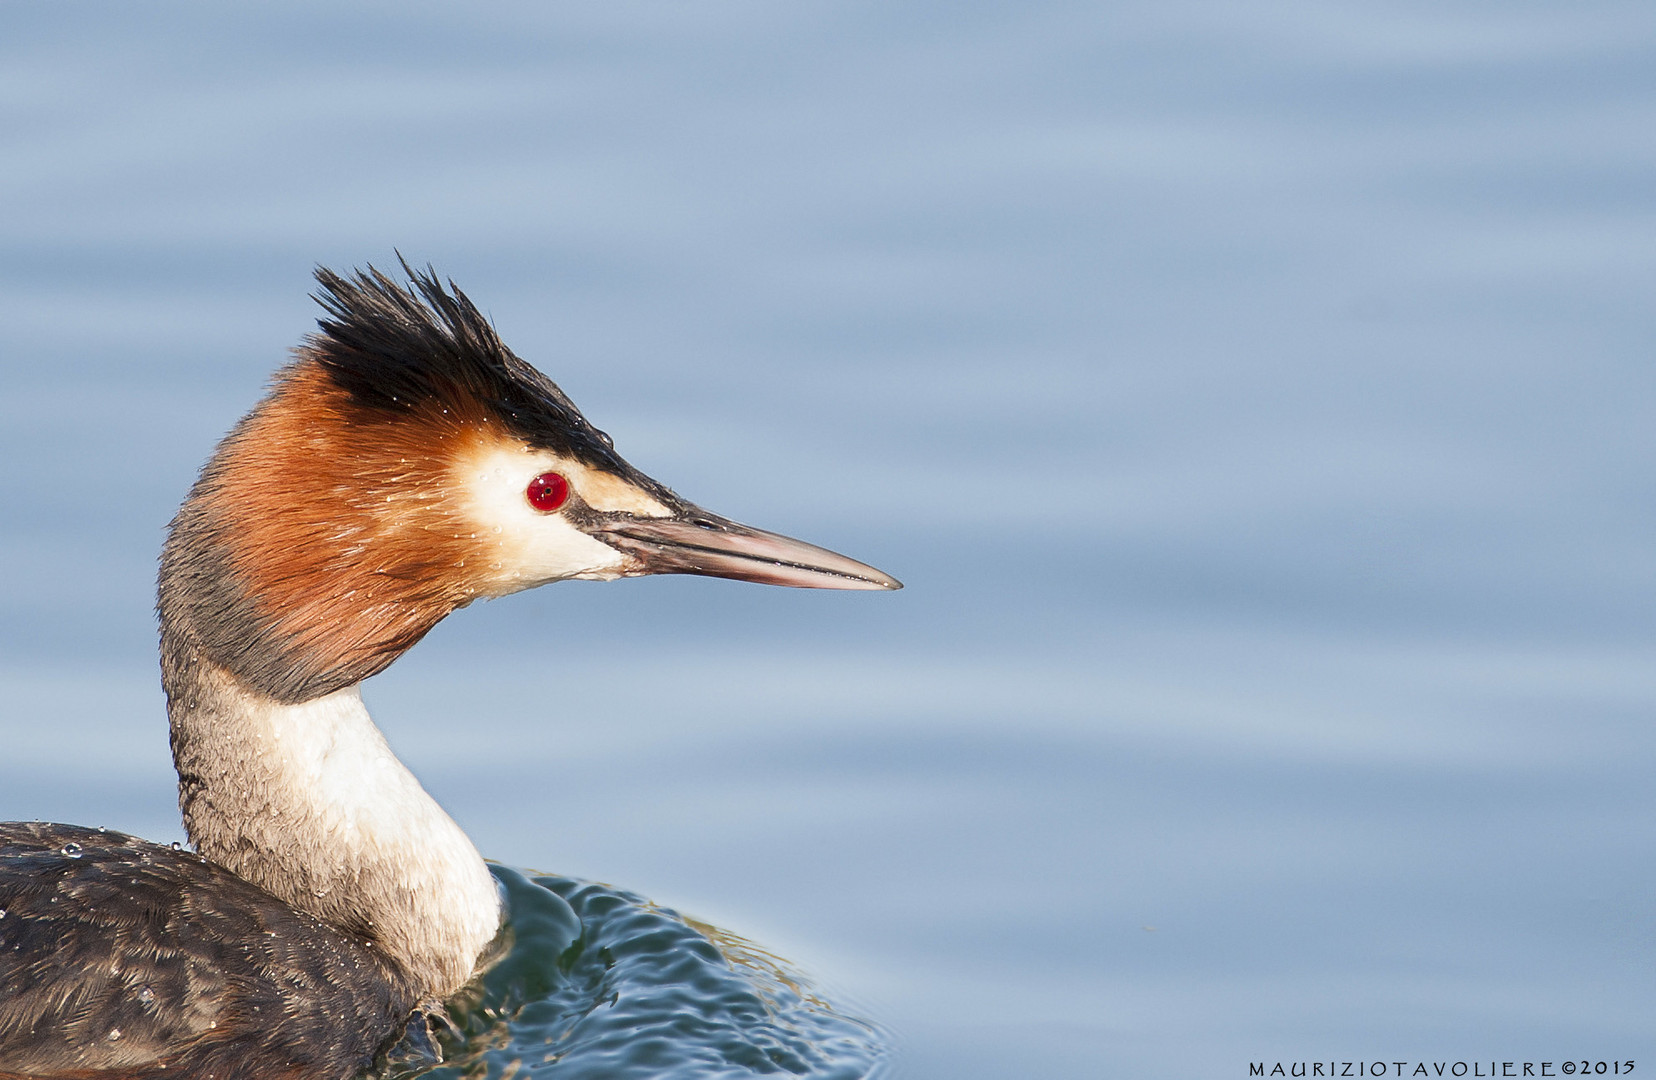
{"type": "Point", "coordinates": [308, 802]}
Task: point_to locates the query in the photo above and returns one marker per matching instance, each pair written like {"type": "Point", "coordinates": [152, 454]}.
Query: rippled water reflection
{"type": "Point", "coordinates": [1256, 400]}
{"type": "Point", "coordinates": [599, 982]}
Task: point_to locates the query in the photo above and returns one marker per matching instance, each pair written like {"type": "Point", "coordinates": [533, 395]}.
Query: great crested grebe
{"type": "Point", "coordinates": [403, 465]}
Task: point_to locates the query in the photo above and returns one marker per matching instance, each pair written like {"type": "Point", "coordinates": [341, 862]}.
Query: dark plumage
{"type": "Point", "coordinates": [397, 348]}
{"type": "Point", "coordinates": [123, 956]}
{"type": "Point", "coordinates": [374, 407]}
{"type": "Point", "coordinates": [386, 480]}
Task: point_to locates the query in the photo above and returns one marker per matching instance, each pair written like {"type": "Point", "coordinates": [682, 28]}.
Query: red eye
{"type": "Point", "coordinates": [547, 492]}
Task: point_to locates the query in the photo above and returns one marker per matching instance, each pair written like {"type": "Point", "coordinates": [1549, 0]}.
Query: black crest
{"type": "Point", "coordinates": [396, 348]}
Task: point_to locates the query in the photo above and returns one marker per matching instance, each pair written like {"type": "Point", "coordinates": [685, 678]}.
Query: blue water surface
{"type": "Point", "coordinates": [1257, 401]}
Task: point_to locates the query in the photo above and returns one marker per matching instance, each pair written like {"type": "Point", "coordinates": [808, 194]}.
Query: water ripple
{"type": "Point", "coordinates": [593, 981]}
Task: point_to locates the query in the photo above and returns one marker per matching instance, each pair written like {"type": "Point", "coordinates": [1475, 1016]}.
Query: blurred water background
{"type": "Point", "coordinates": [1257, 401]}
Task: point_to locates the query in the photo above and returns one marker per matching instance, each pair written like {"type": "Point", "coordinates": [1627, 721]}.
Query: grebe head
{"type": "Point", "coordinates": [403, 465]}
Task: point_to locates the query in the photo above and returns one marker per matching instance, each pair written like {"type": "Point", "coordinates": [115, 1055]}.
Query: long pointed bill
{"type": "Point", "coordinates": [713, 546]}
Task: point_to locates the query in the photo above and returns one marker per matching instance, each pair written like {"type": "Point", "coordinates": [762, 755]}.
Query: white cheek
{"type": "Point", "coordinates": [526, 547]}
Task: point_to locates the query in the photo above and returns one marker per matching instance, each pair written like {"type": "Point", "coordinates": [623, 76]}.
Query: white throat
{"type": "Point", "coordinates": [309, 802]}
